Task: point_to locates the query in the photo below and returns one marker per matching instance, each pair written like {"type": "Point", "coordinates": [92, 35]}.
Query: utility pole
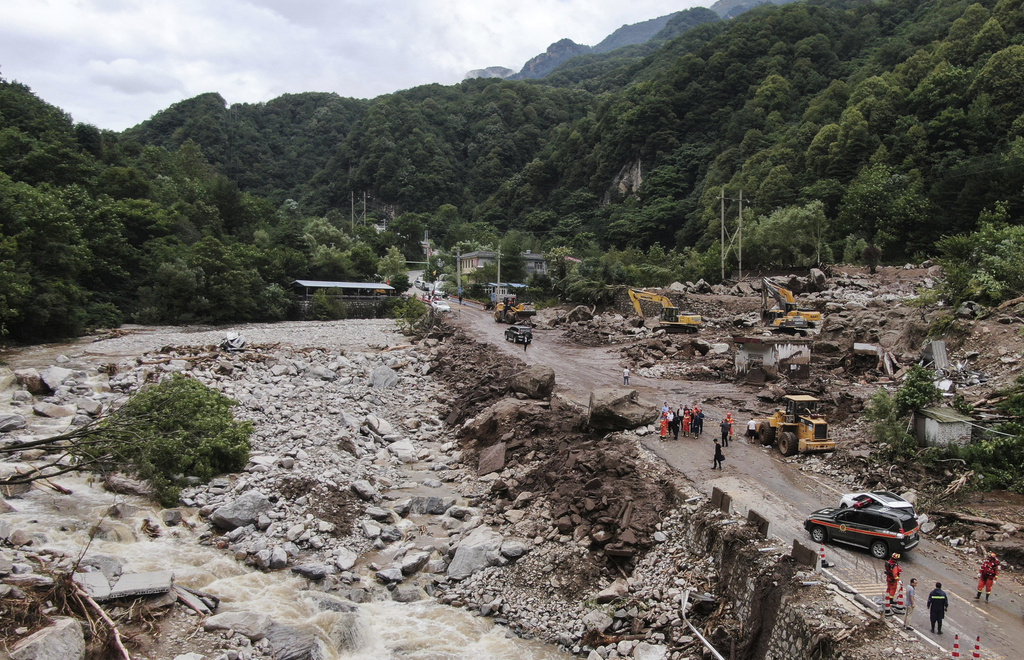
{"type": "Point", "coordinates": [458, 273]}
{"type": "Point", "coordinates": [497, 289]}
{"type": "Point", "coordinates": [352, 210]}
{"type": "Point", "coordinates": [737, 237]}
{"type": "Point", "coordinates": [740, 234]}
{"type": "Point", "coordinates": [721, 197]}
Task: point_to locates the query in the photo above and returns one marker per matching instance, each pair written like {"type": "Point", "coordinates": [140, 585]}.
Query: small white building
{"type": "Point", "coordinates": [760, 359]}
{"type": "Point", "coordinates": [939, 427]}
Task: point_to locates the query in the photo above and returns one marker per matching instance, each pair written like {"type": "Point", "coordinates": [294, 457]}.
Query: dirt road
{"type": "Point", "coordinates": [782, 490]}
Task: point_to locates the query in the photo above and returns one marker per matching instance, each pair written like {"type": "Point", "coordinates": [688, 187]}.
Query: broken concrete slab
{"type": "Point", "coordinates": [95, 584]}
{"type": "Point", "coordinates": [142, 584]}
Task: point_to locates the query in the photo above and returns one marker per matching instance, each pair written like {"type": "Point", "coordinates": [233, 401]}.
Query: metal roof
{"type": "Point", "coordinates": [320, 284]}
{"type": "Point", "coordinates": [944, 415]}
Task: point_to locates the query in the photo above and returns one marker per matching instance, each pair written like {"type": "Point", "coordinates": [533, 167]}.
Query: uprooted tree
{"type": "Point", "coordinates": [170, 434]}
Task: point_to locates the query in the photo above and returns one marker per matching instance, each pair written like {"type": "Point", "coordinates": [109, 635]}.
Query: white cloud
{"type": "Point", "coordinates": [114, 63]}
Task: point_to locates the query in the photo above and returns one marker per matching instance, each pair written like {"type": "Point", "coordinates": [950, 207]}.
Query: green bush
{"type": "Point", "coordinates": [327, 307]}
{"type": "Point", "coordinates": [170, 434]}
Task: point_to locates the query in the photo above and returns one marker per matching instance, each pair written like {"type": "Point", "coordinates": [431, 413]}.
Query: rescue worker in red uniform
{"type": "Point", "coordinates": [664, 425]}
{"type": "Point", "coordinates": [892, 581]}
{"type": "Point", "coordinates": [988, 574]}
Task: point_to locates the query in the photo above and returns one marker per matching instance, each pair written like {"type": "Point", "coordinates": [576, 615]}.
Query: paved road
{"type": "Point", "coordinates": [780, 489]}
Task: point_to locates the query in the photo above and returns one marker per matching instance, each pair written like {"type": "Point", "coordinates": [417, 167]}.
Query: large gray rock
{"type": "Point", "coordinates": [243, 511]}
{"type": "Point", "coordinates": [253, 625]}
{"type": "Point", "coordinates": [647, 651]}
{"type": "Point", "coordinates": [378, 425]}
{"type": "Point", "coordinates": [580, 313]}
{"type": "Point", "coordinates": [383, 378]}
{"type": "Point", "coordinates": [537, 382]}
{"type": "Point", "coordinates": [64, 640]}
{"type": "Point", "coordinates": [52, 410]}
{"type": "Point", "coordinates": [616, 409]}
{"type": "Point", "coordinates": [11, 423]}
{"type": "Point", "coordinates": [54, 377]}
{"type": "Point", "coordinates": [287, 643]}
{"type": "Point", "coordinates": [477, 551]}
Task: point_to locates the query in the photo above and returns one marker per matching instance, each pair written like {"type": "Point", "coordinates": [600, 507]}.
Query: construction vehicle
{"type": "Point", "coordinates": [786, 316]}
{"type": "Point", "coordinates": [512, 312]}
{"type": "Point", "coordinates": [797, 428]}
{"type": "Point", "coordinates": [671, 320]}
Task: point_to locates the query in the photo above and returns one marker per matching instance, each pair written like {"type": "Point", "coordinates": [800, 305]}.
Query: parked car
{"type": "Point", "coordinates": [441, 306]}
{"type": "Point", "coordinates": [875, 498]}
{"type": "Point", "coordinates": [880, 530]}
{"type": "Point", "coordinates": [519, 334]}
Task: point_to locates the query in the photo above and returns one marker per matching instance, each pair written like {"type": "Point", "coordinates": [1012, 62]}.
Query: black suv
{"type": "Point", "coordinates": [881, 530]}
{"type": "Point", "coordinates": [519, 334]}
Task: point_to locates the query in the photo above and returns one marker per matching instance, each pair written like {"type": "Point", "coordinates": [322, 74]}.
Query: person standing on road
{"type": "Point", "coordinates": [664, 425]}
{"type": "Point", "coordinates": [625, 376]}
{"type": "Point", "coordinates": [911, 603]}
{"type": "Point", "coordinates": [751, 430]}
{"type": "Point", "coordinates": [719, 456]}
{"type": "Point", "coordinates": [938, 603]}
{"type": "Point", "coordinates": [892, 581]}
{"type": "Point", "coordinates": [698, 421]}
{"type": "Point", "coordinates": [673, 428]}
{"type": "Point", "coordinates": [725, 426]}
{"type": "Point", "coordinates": [988, 574]}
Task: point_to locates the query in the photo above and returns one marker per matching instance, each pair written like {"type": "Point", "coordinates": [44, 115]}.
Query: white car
{"type": "Point", "coordinates": [441, 306]}
{"type": "Point", "coordinates": [877, 498]}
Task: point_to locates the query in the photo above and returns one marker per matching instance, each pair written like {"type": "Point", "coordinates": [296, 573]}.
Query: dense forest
{"type": "Point", "coordinates": [850, 130]}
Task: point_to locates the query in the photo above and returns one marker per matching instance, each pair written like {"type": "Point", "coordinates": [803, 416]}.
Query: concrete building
{"type": "Point", "coordinates": [535, 263]}
{"type": "Point", "coordinates": [760, 359]}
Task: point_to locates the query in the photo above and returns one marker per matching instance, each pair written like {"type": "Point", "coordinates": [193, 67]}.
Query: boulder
{"type": "Point", "coordinates": [501, 417]}
{"type": "Point", "coordinates": [617, 589]}
{"type": "Point", "coordinates": [365, 491]}
{"type": "Point", "coordinates": [377, 425]}
{"type": "Point", "coordinates": [64, 640]}
{"type": "Point", "coordinates": [616, 409]}
{"type": "Point", "coordinates": [383, 378]}
{"type": "Point", "coordinates": [477, 551]}
{"type": "Point", "coordinates": [253, 625]}
{"type": "Point", "coordinates": [647, 651]}
{"type": "Point", "coordinates": [31, 381]}
{"type": "Point", "coordinates": [243, 511]}
{"type": "Point", "coordinates": [406, 593]}
{"type": "Point", "coordinates": [537, 382]}
{"type": "Point", "coordinates": [288, 643]}
{"type": "Point", "coordinates": [54, 377]}
{"type": "Point", "coordinates": [492, 459]}
{"type": "Point", "coordinates": [11, 423]}
{"type": "Point", "coordinates": [580, 313]}
{"type": "Point", "coordinates": [403, 450]}
{"type": "Point", "coordinates": [52, 410]}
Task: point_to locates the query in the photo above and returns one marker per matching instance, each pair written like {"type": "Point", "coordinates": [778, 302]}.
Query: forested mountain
{"type": "Point", "coordinates": [890, 129]}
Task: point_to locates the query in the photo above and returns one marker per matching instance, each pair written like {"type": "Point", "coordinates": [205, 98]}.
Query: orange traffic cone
{"type": "Point", "coordinates": [824, 564]}
{"type": "Point", "coordinates": [977, 648]}
{"type": "Point", "coordinates": [956, 646]}
{"type": "Point", "coordinates": [899, 600]}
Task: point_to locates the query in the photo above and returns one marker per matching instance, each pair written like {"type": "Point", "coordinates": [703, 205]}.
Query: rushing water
{"type": "Point", "coordinates": [422, 630]}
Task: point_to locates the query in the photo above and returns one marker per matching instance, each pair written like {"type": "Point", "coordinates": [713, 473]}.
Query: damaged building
{"type": "Point", "coordinates": [762, 359]}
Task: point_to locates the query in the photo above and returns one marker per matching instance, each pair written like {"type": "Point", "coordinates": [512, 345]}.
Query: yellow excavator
{"type": "Point", "coordinates": [671, 320]}
{"type": "Point", "coordinates": [786, 316]}
{"type": "Point", "coordinates": [798, 427]}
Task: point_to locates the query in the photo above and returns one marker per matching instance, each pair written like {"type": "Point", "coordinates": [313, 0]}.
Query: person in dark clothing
{"type": "Point", "coordinates": [937, 603]}
{"type": "Point", "coordinates": [698, 422]}
{"type": "Point", "coordinates": [719, 456]}
{"type": "Point", "coordinates": [726, 427]}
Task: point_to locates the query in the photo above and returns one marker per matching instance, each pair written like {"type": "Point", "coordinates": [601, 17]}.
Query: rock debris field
{"type": "Point", "coordinates": [382, 467]}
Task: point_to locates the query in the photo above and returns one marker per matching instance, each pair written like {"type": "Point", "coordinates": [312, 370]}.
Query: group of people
{"type": "Point", "coordinates": [689, 422]}
{"type": "Point", "coordinates": [938, 600]}
{"type": "Point", "coordinates": [683, 420]}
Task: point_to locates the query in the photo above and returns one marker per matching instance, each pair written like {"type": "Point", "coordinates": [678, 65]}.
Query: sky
{"type": "Point", "coordinates": [115, 63]}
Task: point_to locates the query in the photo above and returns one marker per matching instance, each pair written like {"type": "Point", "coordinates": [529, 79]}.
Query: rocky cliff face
{"type": "Point", "coordinates": [490, 72]}
{"type": "Point", "coordinates": [546, 62]}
